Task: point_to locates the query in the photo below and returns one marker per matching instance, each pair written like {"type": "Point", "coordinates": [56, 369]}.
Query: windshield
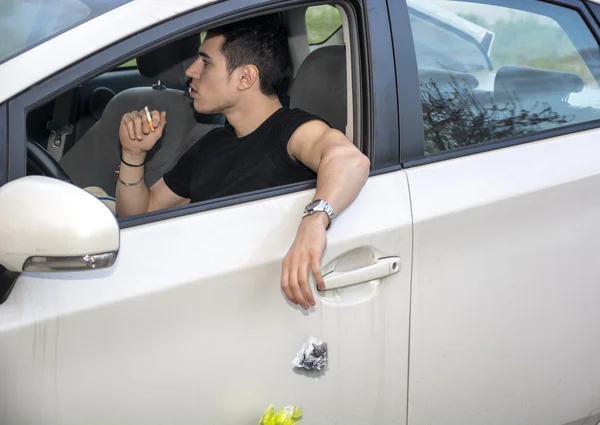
{"type": "Point", "coordinates": [26, 23]}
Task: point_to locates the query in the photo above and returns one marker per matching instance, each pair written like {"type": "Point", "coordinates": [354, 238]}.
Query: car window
{"type": "Point", "coordinates": [25, 23]}
{"type": "Point", "coordinates": [73, 127]}
{"type": "Point", "coordinates": [444, 40]}
{"type": "Point", "coordinates": [321, 23]}
{"type": "Point", "coordinates": [490, 72]}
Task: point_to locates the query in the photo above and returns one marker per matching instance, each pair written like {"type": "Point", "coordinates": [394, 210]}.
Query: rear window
{"type": "Point", "coordinates": [27, 23]}
{"type": "Point", "coordinates": [321, 23]}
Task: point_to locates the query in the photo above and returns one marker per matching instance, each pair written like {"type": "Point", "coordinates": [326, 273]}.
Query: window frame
{"type": "Point", "coordinates": [412, 147]}
{"type": "Point", "coordinates": [3, 144]}
{"type": "Point", "coordinates": [594, 9]}
{"type": "Point", "coordinates": [368, 94]}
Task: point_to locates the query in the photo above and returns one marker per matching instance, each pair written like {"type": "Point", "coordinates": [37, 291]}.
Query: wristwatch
{"type": "Point", "coordinates": [319, 205]}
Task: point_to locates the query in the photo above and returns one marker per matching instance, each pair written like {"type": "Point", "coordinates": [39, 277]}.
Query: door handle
{"type": "Point", "coordinates": [383, 267]}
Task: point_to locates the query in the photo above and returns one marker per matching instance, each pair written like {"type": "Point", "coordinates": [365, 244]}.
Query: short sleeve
{"type": "Point", "coordinates": [293, 120]}
{"type": "Point", "coordinates": [178, 179]}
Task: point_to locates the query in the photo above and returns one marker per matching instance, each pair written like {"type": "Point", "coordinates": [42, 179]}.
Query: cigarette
{"type": "Point", "coordinates": [149, 117]}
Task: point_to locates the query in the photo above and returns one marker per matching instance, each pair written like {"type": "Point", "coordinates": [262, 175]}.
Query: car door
{"type": "Point", "coordinates": [189, 325]}
{"type": "Point", "coordinates": [504, 180]}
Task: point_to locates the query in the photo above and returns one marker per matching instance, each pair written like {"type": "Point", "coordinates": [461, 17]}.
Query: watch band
{"type": "Point", "coordinates": [319, 205]}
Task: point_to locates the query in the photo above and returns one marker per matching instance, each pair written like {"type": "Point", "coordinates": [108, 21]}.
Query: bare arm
{"type": "Point", "coordinates": [139, 199]}
{"type": "Point", "coordinates": [133, 196]}
{"type": "Point", "coordinates": [341, 168]}
{"type": "Point", "coordinates": [342, 171]}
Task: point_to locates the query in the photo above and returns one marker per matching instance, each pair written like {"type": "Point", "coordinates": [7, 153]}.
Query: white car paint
{"type": "Point", "coordinates": [187, 330]}
{"type": "Point", "coordinates": [46, 235]}
{"type": "Point", "coordinates": [506, 283]}
{"type": "Point", "coordinates": [42, 61]}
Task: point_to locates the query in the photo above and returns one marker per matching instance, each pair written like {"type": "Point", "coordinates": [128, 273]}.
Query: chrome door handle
{"type": "Point", "coordinates": [382, 268]}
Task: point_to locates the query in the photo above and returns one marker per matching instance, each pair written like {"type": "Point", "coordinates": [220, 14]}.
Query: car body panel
{"type": "Point", "coordinates": [183, 329]}
{"type": "Point", "coordinates": [505, 314]}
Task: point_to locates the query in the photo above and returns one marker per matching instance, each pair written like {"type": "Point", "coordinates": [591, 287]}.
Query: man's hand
{"type": "Point", "coordinates": [304, 257]}
{"type": "Point", "coordinates": [135, 134]}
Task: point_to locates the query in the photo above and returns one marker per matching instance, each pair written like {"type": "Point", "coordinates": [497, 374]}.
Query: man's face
{"type": "Point", "coordinates": [213, 87]}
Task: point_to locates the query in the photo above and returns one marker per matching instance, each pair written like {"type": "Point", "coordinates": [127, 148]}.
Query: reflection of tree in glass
{"type": "Point", "coordinates": [455, 117]}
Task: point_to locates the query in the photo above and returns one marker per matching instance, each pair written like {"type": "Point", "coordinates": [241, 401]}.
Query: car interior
{"type": "Point", "coordinates": [74, 137]}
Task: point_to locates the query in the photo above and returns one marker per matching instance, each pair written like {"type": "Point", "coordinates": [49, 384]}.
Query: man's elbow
{"type": "Point", "coordinates": [358, 162]}
{"type": "Point", "coordinates": [342, 152]}
{"type": "Point", "coordinates": [363, 164]}
{"type": "Point", "coordinates": [348, 158]}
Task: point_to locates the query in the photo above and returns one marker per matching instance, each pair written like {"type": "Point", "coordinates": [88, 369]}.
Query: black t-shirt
{"type": "Point", "coordinates": [222, 164]}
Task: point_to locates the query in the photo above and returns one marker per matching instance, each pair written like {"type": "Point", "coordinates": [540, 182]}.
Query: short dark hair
{"type": "Point", "coordinates": [262, 42]}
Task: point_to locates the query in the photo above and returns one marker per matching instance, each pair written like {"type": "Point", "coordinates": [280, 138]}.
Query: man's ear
{"type": "Point", "coordinates": [248, 77]}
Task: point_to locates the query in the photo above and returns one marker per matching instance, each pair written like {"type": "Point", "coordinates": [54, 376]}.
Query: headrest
{"type": "Point", "coordinates": [320, 86]}
{"type": "Point", "coordinates": [443, 77]}
{"type": "Point", "coordinates": [168, 63]}
{"type": "Point", "coordinates": [543, 83]}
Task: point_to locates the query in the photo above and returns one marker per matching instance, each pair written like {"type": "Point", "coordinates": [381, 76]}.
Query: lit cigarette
{"type": "Point", "coordinates": [149, 117]}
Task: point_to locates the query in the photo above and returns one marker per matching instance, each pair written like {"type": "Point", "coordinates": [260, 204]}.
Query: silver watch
{"type": "Point", "coordinates": [319, 205]}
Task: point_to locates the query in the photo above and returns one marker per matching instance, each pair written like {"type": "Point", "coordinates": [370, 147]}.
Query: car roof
{"type": "Point", "coordinates": [42, 61]}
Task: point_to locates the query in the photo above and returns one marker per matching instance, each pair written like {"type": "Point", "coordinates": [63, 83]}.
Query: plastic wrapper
{"type": "Point", "coordinates": [289, 415]}
{"type": "Point", "coordinates": [312, 355]}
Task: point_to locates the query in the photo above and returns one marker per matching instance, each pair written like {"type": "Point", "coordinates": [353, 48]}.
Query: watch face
{"type": "Point", "coordinates": [312, 205]}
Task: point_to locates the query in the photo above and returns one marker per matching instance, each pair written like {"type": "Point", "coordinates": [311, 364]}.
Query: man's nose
{"type": "Point", "coordinates": [194, 70]}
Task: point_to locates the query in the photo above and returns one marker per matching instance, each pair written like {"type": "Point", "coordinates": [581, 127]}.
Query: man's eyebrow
{"type": "Point", "coordinates": [204, 55]}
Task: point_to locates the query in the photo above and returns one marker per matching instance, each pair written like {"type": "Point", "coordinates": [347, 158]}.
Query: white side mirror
{"type": "Point", "coordinates": [49, 225]}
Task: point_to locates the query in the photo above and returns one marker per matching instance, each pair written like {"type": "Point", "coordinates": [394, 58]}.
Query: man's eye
{"type": "Point", "coordinates": [205, 61]}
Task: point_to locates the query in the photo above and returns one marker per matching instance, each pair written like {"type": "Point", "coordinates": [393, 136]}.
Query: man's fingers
{"type": "Point", "coordinates": [145, 125]}
{"type": "Point", "coordinates": [137, 121]}
{"type": "Point", "coordinates": [303, 281]}
{"type": "Point", "coordinates": [295, 286]}
{"type": "Point", "coordinates": [155, 118]}
{"type": "Point", "coordinates": [315, 268]}
{"type": "Point", "coordinates": [163, 118]}
{"type": "Point", "coordinates": [128, 121]}
{"type": "Point", "coordinates": [285, 283]}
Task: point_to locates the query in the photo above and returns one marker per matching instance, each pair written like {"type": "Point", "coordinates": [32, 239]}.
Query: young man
{"type": "Point", "coordinates": [239, 72]}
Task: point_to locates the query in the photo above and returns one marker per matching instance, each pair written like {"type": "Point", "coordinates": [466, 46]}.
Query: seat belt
{"type": "Point", "coordinates": [59, 127]}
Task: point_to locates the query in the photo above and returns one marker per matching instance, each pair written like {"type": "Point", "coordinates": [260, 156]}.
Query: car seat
{"type": "Point", "coordinates": [320, 86]}
{"type": "Point", "coordinates": [95, 158]}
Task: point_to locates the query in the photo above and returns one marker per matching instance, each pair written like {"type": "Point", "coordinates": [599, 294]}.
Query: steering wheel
{"type": "Point", "coordinates": [41, 163]}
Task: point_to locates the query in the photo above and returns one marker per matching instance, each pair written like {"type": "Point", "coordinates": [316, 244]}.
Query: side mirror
{"type": "Point", "coordinates": [48, 225]}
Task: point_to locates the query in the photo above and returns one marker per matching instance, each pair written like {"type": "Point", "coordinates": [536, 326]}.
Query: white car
{"type": "Point", "coordinates": [463, 284]}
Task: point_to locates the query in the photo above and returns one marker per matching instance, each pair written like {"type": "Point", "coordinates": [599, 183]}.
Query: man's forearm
{"type": "Point", "coordinates": [134, 197]}
{"type": "Point", "coordinates": [342, 174]}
